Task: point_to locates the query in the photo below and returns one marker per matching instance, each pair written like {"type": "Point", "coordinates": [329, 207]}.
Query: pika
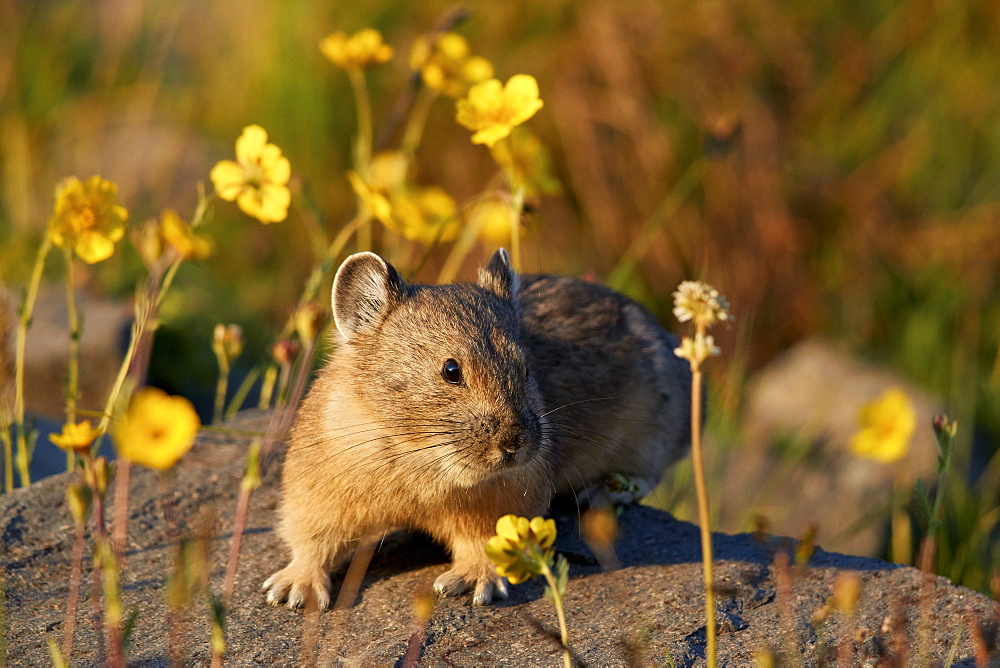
{"type": "Point", "coordinates": [446, 407]}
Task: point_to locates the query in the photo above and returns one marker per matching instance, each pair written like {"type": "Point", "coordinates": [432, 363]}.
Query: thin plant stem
{"type": "Point", "coordinates": [119, 525]}
{"type": "Point", "coordinates": [98, 575]}
{"type": "Point", "coordinates": [560, 613]}
{"type": "Point", "coordinates": [363, 149]}
{"type": "Point", "coordinates": [663, 214]}
{"type": "Point", "coordinates": [221, 388]}
{"type": "Point", "coordinates": [73, 378]}
{"type": "Point", "coordinates": [701, 491]}
{"type": "Point", "coordinates": [73, 599]}
{"type": "Point", "coordinates": [516, 210]}
{"type": "Point", "coordinates": [417, 121]}
{"type": "Point", "coordinates": [23, 324]}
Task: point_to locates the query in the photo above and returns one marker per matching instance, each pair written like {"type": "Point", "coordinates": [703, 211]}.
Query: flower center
{"type": "Point", "coordinates": [83, 219]}
{"type": "Point", "coordinates": [253, 174]}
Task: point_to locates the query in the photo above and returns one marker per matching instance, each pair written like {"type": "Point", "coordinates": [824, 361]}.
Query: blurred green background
{"type": "Point", "coordinates": [833, 168]}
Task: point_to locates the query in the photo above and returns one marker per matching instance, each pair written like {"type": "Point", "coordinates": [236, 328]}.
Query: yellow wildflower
{"type": "Point", "coordinates": [492, 109]}
{"type": "Point", "coordinates": [258, 180]}
{"type": "Point", "coordinates": [362, 49]}
{"type": "Point", "coordinates": [388, 170]}
{"type": "Point", "coordinates": [179, 235]}
{"type": "Point", "coordinates": [521, 547]}
{"type": "Point", "coordinates": [528, 162]}
{"type": "Point", "coordinates": [428, 215]}
{"type": "Point", "coordinates": [491, 219]}
{"type": "Point", "coordinates": [887, 425]}
{"type": "Point", "coordinates": [87, 219]}
{"type": "Point", "coordinates": [76, 437]}
{"type": "Point", "coordinates": [157, 429]}
{"type": "Point", "coordinates": [374, 203]}
{"type": "Point", "coordinates": [446, 66]}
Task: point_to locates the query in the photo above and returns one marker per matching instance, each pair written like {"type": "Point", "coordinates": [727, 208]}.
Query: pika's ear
{"type": "Point", "coordinates": [499, 276]}
{"type": "Point", "coordinates": [364, 289]}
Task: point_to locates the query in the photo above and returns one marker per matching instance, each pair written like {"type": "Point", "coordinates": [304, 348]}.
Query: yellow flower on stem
{"type": "Point", "coordinates": [157, 429]}
{"type": "Point", "coordinates": [491, 219]}
{"type": "Point", "coordinates": [428, 215]}
{"type": "Point", "coordinates": [373, 202]}
{"type": "Point", "coordinates": [521, 547]}
{"type": "Point", "coordinates": [887, 426]}
{"type": "Point", "coordinates": [76, 437]}
{"type": "Point", "coordinates": [179, 235]}
{"type": "Point", "coordinates": [446, 66]}
{"type": "Point", "coordinates": [258, 180]}
{"type": "Point", "coordinates": [87, 218]}
{"type": "Point", "coordinates": [491, 109]}
{"type": "Point", "coordinates": [362, 49]}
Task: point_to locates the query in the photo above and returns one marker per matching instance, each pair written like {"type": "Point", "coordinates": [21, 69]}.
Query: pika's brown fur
{"type": "Point", "coordinates": [446, 407]}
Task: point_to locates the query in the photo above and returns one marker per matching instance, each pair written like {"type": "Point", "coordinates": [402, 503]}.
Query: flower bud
{"type": "Point", "coordinates": [96, 475]}
{"type": "Point", "coordinates": [309, 321]}
{"type": "Point", "coordinates": [78, 499]}
{"type": "Point", "coordinates": [285, 352]}
{"type": "Point", "coordinates": [227, 341]}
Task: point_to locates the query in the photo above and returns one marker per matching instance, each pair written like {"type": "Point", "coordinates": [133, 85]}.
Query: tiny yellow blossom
{"type": "Point", "coordinates": [179, 235]}
{"type": "Point", "coordinates": [887, 426]}
{"type": "Point", "coordinates": [446, 66]}
{"type": "Point", "coordinates": [526, 159]}
{"type": "Point", "coordinates": [428, 215]}
{"type": "Point", "coordinates": [701, 303]}
{"type": "Point", "coordinates": [521, 546]}
{"type": "Point", "coordinates": [87, 219]}
{"type": "Point", "coordinates": [362, 49]}
{"type": "Point", "coordinates": [76, 437]}
{"type": "Point", "coordinates": [374, 204]}
{"type": "Point", "coordinates": [491, 218]}
{"type": "Point", "coordinates": [157, 429]}
{"type": "Point", "coordinates": [258, 180]}
{"type": "Point", "coordinates": [388, 170]}
{"type": "Point", "coordinates": [491, 110]}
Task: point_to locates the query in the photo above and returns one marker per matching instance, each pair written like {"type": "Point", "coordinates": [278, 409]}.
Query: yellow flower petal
{"type": "Point", "coordinates": [76, 437]}
{"type": "Point", "coordinates": [250, 145]}
{"type": "Point", "coordinates": [227, 177]}
{"type": "Point", "coordinates": [157, 429]}
{"type": "Point", "coordinates": [93, 247]}
{"type": "Point", "coordinates": [520, 95]}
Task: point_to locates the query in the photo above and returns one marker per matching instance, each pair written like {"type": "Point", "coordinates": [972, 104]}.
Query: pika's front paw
{"type": "Point", "coordinates": [295, 583]}
{"type": "Point", "coordinates": [486, 587]}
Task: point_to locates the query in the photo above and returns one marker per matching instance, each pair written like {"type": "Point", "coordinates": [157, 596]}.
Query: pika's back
{"type": "Point", "coordinates": [616, 396]}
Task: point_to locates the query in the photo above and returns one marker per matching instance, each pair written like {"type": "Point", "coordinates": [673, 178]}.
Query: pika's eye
{"type": "Point", "coordinates": [451, 372]}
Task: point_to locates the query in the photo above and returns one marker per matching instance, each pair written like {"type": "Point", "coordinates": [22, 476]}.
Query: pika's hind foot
{"type": "Point", "coordinates": [485, 588]}
{"type": "Point", "coordinates": [295, 583]}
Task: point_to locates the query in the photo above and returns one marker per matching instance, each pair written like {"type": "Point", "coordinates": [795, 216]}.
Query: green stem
{"type": "Point", "coordinates": [23, 324]}
{"type": "Point", "coordinates": [701, 492]}
{"type": "Point", "coordinates": [363, 149]}
{"type": "Point", "coordinates": [516, 209]}
{"type": "Point", "coordinates": [73, 380]}
{"type": "Point", "coordinates": [415, 125]}
{"type": "Point", "coordinates": [663, 214]}
{"type": "Point", "coordinates": [558, 602]}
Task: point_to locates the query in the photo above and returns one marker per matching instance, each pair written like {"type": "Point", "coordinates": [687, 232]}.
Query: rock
{"type": "Point", "coordinates": [801, 411]}
{"type": "Point", "coordinates": [649, 611]}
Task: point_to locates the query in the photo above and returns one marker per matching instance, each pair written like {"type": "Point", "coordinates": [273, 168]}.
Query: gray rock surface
{"type": "Point", "coordinates": [648, 611]}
